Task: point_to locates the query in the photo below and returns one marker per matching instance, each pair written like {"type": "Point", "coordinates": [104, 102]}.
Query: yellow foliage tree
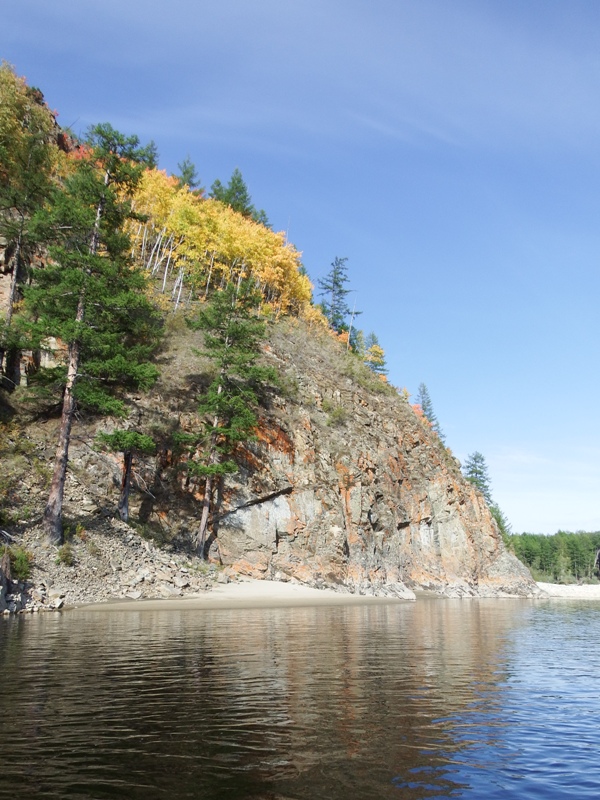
{"type": "Point", "coordinates": [205, 244]}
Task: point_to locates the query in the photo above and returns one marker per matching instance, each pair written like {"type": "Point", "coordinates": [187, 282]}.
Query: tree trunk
{"type": "Point", "coordinates": [206, 503]}
{"type": "Point", "coordinates": [123, 506]}
{"type": "Point", "coordinates": [208, 487]}
{"type": "Point", "coordinates": [5, 577]}
{"type": "Point", "coordinates": [12, 295]}
{"type": "Point", "coordinates": [53, 511]}
{"type": "Point", "coordinates": [14, 281]}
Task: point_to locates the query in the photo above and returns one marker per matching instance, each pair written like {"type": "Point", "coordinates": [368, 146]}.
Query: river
{"type": "Point", "coordinates": [438, 698]}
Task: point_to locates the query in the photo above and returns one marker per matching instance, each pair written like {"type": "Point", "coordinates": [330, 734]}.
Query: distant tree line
{"type": "Point", "coordinates": [564, 557]}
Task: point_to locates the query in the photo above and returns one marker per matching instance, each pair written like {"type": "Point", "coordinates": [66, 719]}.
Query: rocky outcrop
{"type": "Point", "coordinates": [344, 487]}
{"type": "Point", "coordinates": [106, 561]}
{"type": "Point", "coordinates": [347, 487]}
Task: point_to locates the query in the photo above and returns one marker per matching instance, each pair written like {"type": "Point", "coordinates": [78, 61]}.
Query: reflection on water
{"type": "Point", "coordinates": [453, 698]}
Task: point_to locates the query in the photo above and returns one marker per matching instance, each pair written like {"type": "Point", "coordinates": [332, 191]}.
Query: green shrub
{"type": "Point", "coordinates": [355, 369]}
{"type": "Point", "coordinates": [93, 548]}
{"type": "Point", "coordinates": [20, 562]}
{"type": "Point", "coordinates": [66, 555]}
{"type": "Point", "coordinates": [337, 416]}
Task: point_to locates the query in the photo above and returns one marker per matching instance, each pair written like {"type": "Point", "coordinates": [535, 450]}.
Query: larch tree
{"type": "Point", "coordinates": [475, 470]}
{"type": "Point", "coordinates": [424, 400]}
{"type": "Point", "coordinates": [88, 296]}
{"type": "Point", "coordinates": [232, 335]}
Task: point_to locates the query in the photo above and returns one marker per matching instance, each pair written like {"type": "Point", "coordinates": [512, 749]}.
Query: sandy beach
{"type": "Point", "coordinates": [247, 594]}
{"type": "Point", "coordinates": [573, 591]}
{"type": "Point", "coordinates": [277, 594]}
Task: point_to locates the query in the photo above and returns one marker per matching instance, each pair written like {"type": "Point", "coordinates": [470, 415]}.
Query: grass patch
{"type": "Point", "coordinates": [354, 368]}
{"type": "Point", "coordinates": [93, 549]}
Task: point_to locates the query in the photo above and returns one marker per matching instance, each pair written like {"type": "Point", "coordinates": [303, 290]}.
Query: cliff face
{"type": "Point", "coordinates": [344, 487]}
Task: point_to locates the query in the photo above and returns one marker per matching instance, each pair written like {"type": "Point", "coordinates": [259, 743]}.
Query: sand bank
{"type": "Point", "coordinates": [246, 594]}
{"type": "Point", "coordinates": [585, 592]}
{"type": "Point", "coordinates": [277, 594]}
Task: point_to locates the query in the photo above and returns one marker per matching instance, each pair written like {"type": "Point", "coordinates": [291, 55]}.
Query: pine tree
{"type": "Point", "coordinates": [232, 335]}
{"type": "Point", "coordinates": [131, 444]}
{"type": "Point", "coordinates": [424, 400]}
{"type": "Point", "coordinates": [88, 296]}
{"type": "Point", "coordinates": [475, 470]}
{"type": "Point", "coordinates": [333, 289]}
{"type": "Point", "coordinates": [237, 196]}
{"type": "Point", "coordinates": [188, 176]}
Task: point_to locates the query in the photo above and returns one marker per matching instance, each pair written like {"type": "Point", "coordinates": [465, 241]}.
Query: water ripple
{"type": "Point", "coordinates": [440, 699]}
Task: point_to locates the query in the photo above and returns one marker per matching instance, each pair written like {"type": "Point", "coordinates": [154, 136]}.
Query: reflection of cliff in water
{"type": "Point", "coordinates": [343, 701]}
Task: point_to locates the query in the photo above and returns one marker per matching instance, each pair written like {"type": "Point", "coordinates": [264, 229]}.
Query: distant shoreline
{"type": "Point", "coordinates": [588, 591]}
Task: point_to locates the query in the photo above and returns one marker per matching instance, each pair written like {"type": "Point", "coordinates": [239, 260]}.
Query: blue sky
{"type": "Point", "coordinates": [448, 148]}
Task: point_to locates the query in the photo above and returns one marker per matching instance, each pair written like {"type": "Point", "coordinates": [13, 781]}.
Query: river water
{"type": "Point", "coordinates": [438, 698]}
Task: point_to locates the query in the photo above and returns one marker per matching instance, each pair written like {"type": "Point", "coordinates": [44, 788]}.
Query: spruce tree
{"type": "Point", "coordinates": [374, 355]}
{"type": "Point", "coordinates": [88, 296]}
{"type": "Point", "coordinates": [424, 400]}
{"type": "Point", "coordinates": [188, 175]}
{"type": "Point", "coordinates": [502, 522]}
{"type": "Point", "coordinates": [236, 196]}
{"type": "Point", "coordinates": [334, 291]}
{"type": "Point", "coordinates": [232, 336]}
{"type": "Point", "coordinates": [475, 470]}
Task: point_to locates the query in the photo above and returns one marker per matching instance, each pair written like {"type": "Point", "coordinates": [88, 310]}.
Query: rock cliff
{"type": "Point", "coordinates": [347, 487]}
{"type": "Point", "coordinates": [344, 486]}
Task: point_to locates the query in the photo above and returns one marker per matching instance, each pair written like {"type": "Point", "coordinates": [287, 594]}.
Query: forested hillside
{"type": "Point", "coordinates": [154, 348]}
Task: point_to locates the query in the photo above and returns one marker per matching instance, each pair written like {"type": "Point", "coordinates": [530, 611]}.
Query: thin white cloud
{"type": "Point", "coordinates": [420, 71]}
